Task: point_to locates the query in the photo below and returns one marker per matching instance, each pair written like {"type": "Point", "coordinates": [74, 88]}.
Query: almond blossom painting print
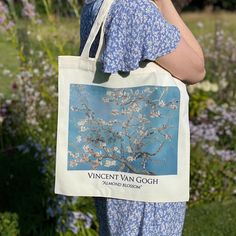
{"type": "Point", "coordinates": [132, 130]}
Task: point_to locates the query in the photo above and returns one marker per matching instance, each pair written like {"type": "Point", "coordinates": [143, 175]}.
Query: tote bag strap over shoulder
{"type": "Point", "coordinates": [99, 21]}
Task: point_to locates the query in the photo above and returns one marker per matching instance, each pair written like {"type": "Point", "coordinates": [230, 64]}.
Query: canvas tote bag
{"type": "Point", "coordinates": [123, 135]}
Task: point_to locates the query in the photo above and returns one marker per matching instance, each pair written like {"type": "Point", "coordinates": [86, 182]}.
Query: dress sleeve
{"type": "Point", "coordinates": [136, 30]}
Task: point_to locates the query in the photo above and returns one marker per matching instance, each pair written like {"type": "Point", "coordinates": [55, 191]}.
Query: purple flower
{"type": "Point", "coordinates": [28, 9]}
{"type": "Point", "coordinates": [10, 25]}
{"type": "Point", "coordinates": [50, 212]}
{"type": "Point", "coordinates": [3, 8]}
{"type": "Point", "coordinates": [2, 19]}
{"type": "Point", "coordinates": [74, 228]}
{"type": "Point", "coordinates": [87, 218]}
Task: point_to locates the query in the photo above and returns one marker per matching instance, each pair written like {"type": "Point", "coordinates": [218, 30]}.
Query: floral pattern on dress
{"type": "Point", "coordinates": [118, 217]}
{"type": "Point", "coordinates": [134, 30]}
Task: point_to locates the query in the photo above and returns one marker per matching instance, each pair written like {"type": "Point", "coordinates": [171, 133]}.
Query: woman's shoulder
{"type": "Point", "coordinates": [123, 13]}
{"type": "Point", "coordinates": [124, 6]}
{"type": "Point", "coordinates": [135, 6]}
{"type": "Point", "coordinates": [132, 14]}
{"type": "Point", "coordinates": [135, 30]}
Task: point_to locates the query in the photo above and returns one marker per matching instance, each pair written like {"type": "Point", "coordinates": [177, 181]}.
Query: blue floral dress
{"type": "Point", "coordinates": [135, 30]}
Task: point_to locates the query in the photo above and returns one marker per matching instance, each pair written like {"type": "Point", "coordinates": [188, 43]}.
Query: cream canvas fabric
{"type": "Point", "coordinates": [123, 135]}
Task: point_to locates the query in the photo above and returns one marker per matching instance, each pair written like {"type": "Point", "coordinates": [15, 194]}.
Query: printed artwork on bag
{"type": "Point", "coordinates": [132, 130]}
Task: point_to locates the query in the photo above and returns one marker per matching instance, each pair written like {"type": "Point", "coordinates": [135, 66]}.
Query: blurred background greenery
{"type": "Point", "coordinates": [32, 35]}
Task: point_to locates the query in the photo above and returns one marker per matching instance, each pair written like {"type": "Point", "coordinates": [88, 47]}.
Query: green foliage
{"type": "Point", "coordinates": [211, 179]}
{"type": "Point", "coordinates": [9, 224]}
{"type": "Point", "coordinates": [24, 190]}
{"type": "Point", "coordinates": [197, 103]}
{"type": "Point", "coordinates": [8, 65]}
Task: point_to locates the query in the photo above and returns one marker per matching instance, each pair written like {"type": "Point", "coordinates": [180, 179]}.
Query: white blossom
{"type": "Point", "coordinates": [109, 163]}
{"type": "Point", "coordinates": [130, 158]}
{"type": "Point", "coordinates": [78, 139]}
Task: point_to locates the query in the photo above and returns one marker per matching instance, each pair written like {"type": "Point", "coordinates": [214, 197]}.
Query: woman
{"type": "Point", "coordinates": [138, 30]}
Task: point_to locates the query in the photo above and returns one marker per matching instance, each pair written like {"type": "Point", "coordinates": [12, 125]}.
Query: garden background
{"type": "Point", "coordinates": [32, 35]}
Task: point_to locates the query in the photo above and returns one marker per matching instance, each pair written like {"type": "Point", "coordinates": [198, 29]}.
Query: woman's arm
{"type": "Point", "coordinates": [186, 62]}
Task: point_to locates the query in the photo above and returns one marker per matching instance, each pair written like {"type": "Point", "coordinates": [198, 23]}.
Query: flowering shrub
{"type": "Point", "coordinates": [213, 121]}
{"type": "Point", "coordinates": [6, 22]}
{"type": "Point", "coordinates": [220, 57]}
{"type": "Point", "coordinates": [28, 122]}
{"type": "Point", "coordinates": [213, 159]}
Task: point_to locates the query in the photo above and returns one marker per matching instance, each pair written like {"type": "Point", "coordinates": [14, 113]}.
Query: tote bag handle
{"type": "Point", "coordinates": [99, 22]}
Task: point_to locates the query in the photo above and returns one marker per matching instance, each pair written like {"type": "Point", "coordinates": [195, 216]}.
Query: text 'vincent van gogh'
{"type": "Point", "coordinates": [123, 177]}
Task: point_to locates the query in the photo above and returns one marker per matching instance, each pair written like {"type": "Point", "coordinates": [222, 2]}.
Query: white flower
{"type": "Point", "coordinates": [39, 38]}
{"type": "Point", "coordinates": [109, 93]}
{"type": "Point", "coordinates": [71, 153]}
{"type": "Point", "coordinates": [115, 112]}
{"type": "Point", "coordinates": [115, 148]}
{"type": "Point", "coordinates": [200, 24]}
{"type": "Point", "coordinates": [6, 72]}
{"type": "Point", "coordinates": [1, 119]}
{"type": "Point", "coordinates": [109, 163]}
{"type": "Point", "coordinates": [124, 112]}
{"type": "Point", "coordinates": [142, 132]}
{"type": "Point", "coordinates": [36, 71]}
{"type": "Point", "coordinates": [223, 83]}
{"type": "Point", "coordinates": [97, 154]}
{"type": "Point", "coordinates": [81, 122]}
{"type": "Point", "coordinates": [42, 103]}
{"type": "Point", "coordinates": [173, 106]}
{"type": "Point", "coordinates": [136, 141]}
{"type": "Point", "coordinates": [101, 122]}
{"type": "Point", "coordinates": [129, 149]}
{"type": "Point", "coordinates": [78, 138]}
{"type": "Point", "coordinates": [130, 158]}
{"type": "Point", "coordinates": [162, 103]}
{"type": "Point", "coordinates": [73, 163]}
{"type": "Point", "coordinates": [102, 144]}
{"type": "Point", "coordinates": [105, 99]}
{"type": "Point", "coordinates": [82, 128]}
{"type": "Point", "coordinates": [135, 107]}
{"type": "Point", "coordinates": [155, 114]}
{"type": "Point", "coordinates": [167, 136]}
{"type": "Point", "coordinates": [146, 90]}
{"type": "Point", "coordinates": [206, 86]}
{"type": "Point", "coordinates": [86, 148]}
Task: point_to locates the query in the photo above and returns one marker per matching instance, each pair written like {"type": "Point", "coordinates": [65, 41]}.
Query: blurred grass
{"type": "Point", "coordinates": [227, 19]}
{"type": "Point", "coordinates": [214, 219]}
{"type": "Point", "coordinates": [8, 61]}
